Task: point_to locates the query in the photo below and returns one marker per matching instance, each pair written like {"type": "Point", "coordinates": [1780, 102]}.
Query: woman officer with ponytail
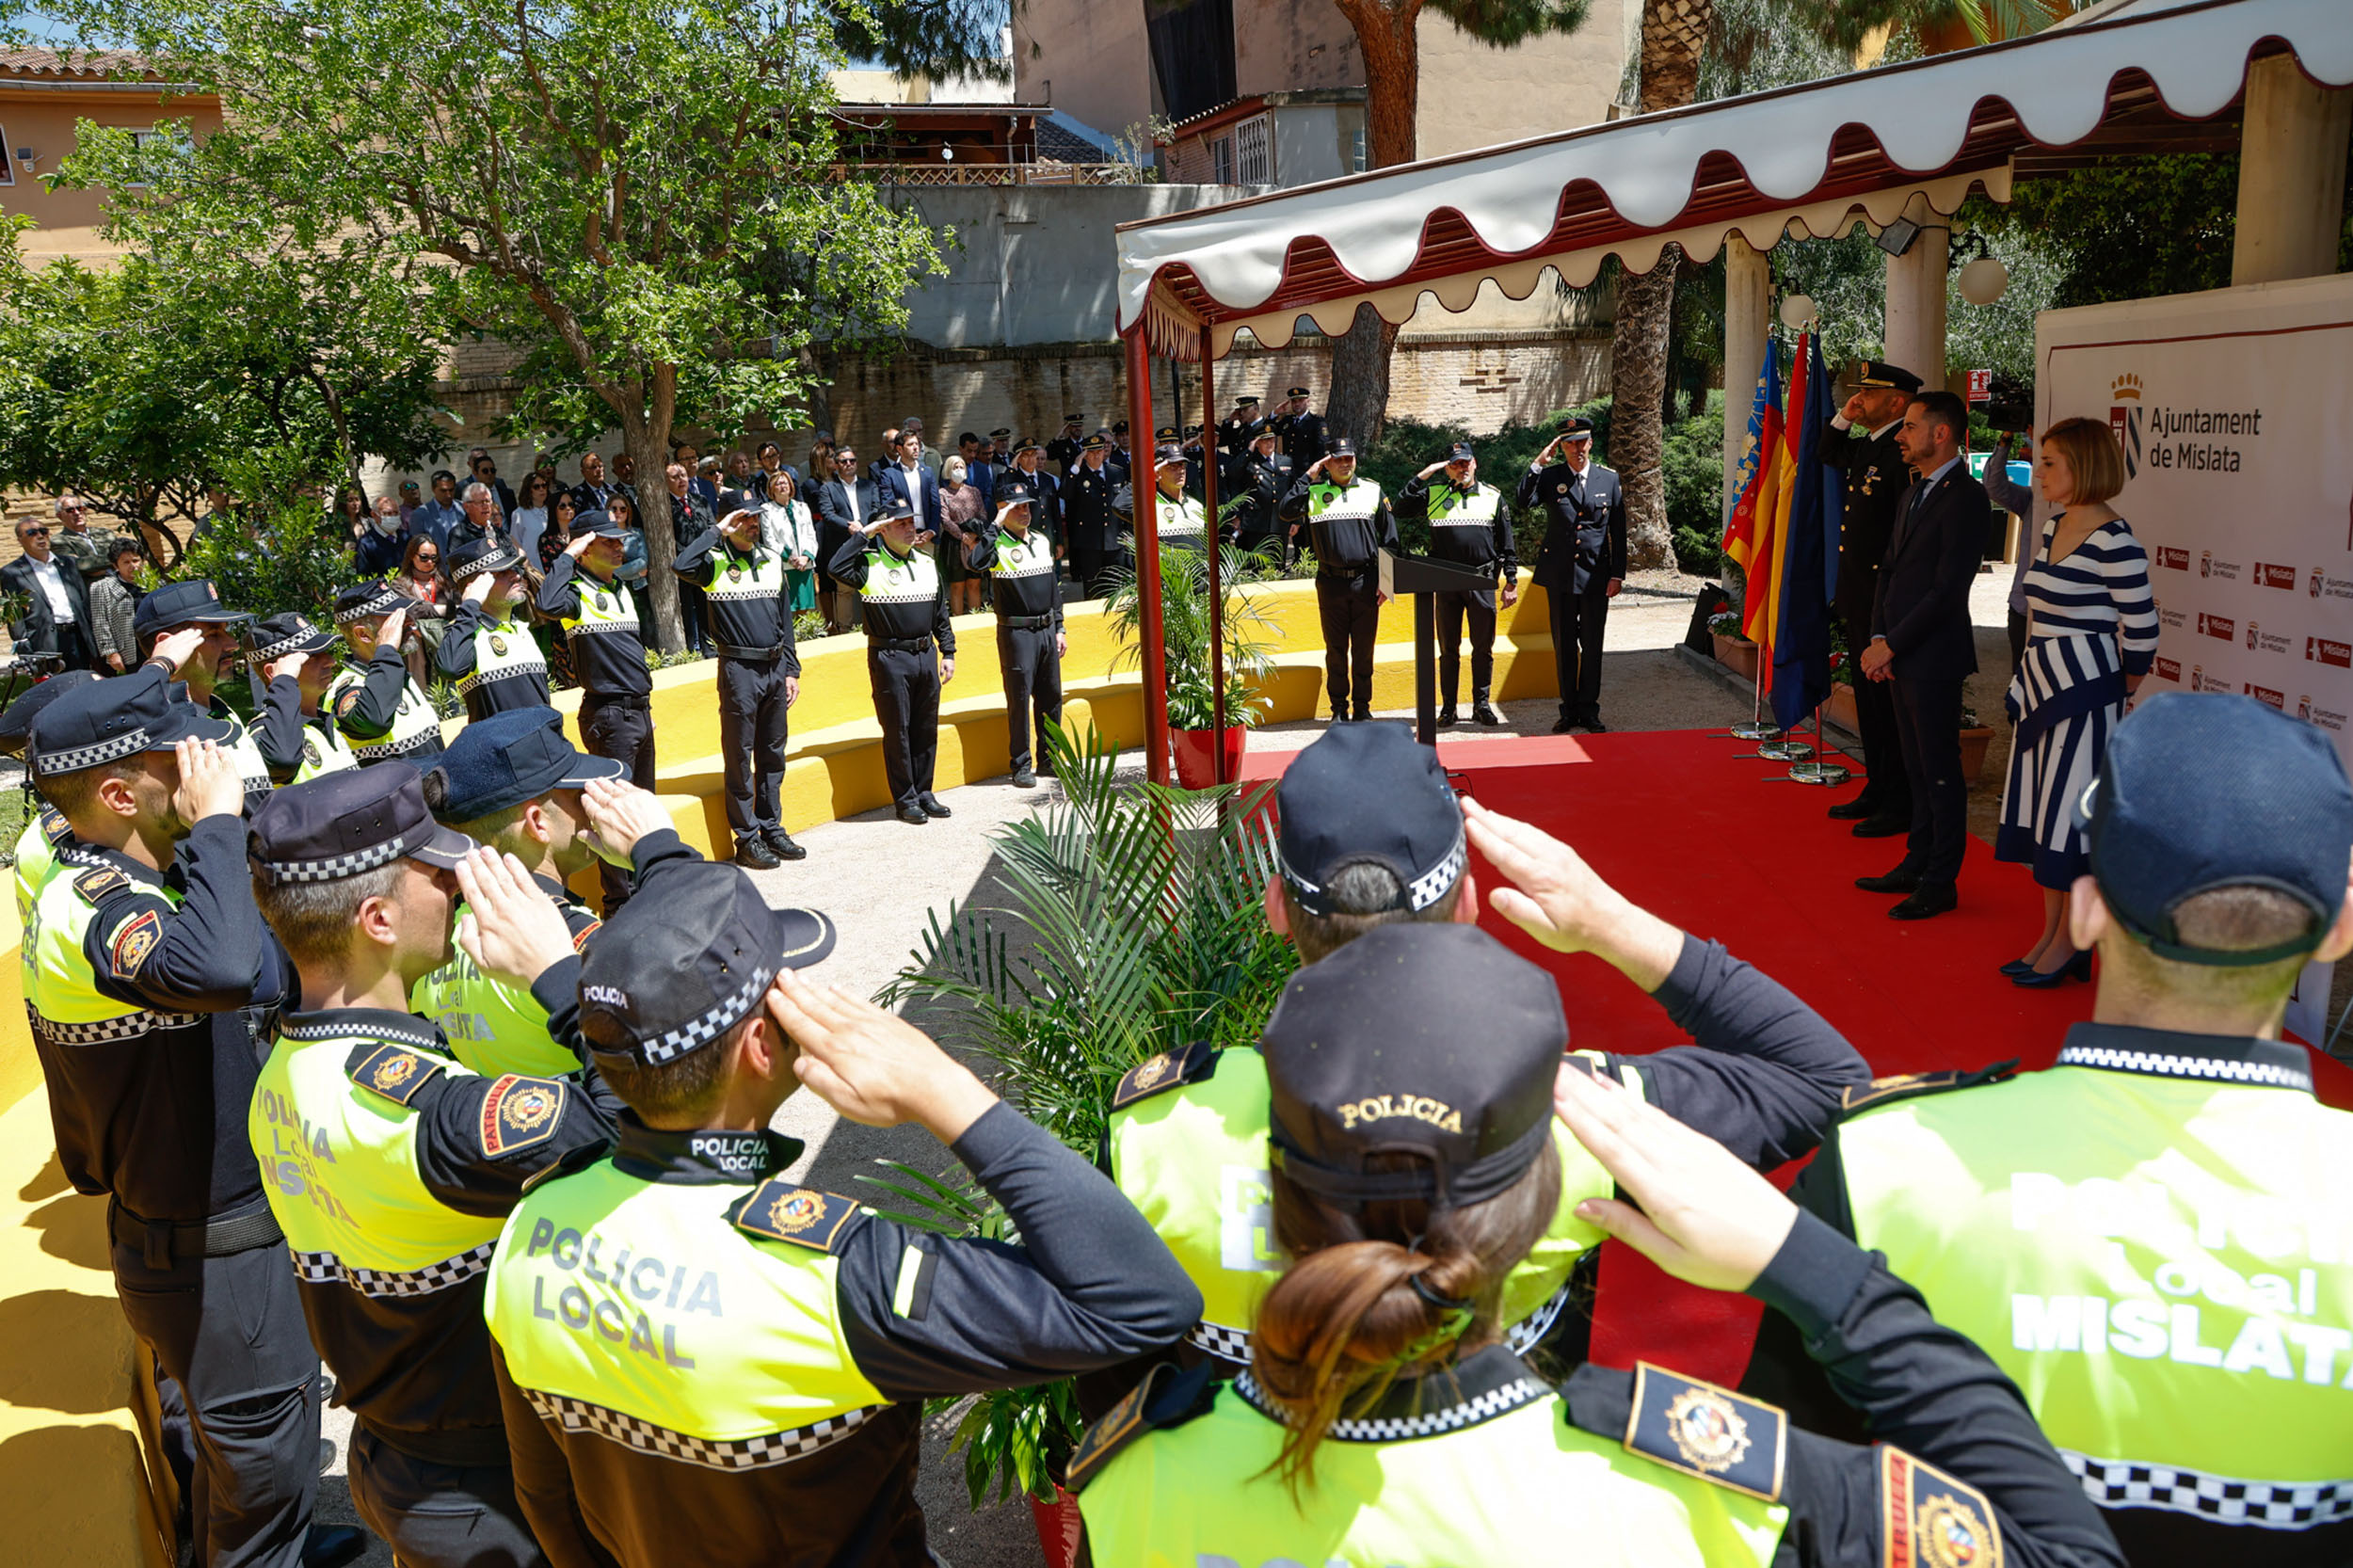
{"type": "Point", "coordinates": [1384, 1423]}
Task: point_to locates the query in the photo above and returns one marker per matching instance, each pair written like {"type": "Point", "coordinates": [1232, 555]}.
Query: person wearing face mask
{"type": "Point", "coordinates": [378, 546]}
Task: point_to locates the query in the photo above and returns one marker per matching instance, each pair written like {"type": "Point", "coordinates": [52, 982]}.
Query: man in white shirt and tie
{"type": "Point", "coordinates": [57, 611]}
{"type": "Point", "coordinates": [842, 504]}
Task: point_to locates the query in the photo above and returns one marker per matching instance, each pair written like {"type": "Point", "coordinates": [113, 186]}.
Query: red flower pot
{"type": "Point", "coordinates": [1059, 1528]}
{"type": "Point", "coordinates": [1196, 762]}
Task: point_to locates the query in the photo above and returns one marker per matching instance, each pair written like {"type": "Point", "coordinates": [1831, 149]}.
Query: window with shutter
{"type": "Point", "coordinates": [1253, 162]}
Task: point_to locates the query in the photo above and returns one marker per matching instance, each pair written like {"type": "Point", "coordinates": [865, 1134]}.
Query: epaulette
{"type": "Point", "coordinates": [1170, 1069]}
{"type": "Point", "coordinates": [1904, 1086]}
{"type": "Point", "coordinates": [519, 1114]}
{"type": "Point", "coordinates": [780, 1210]}
{"type": "Point", "coordinates": [1928, 1516]}
{"type": "Point", "coordinates": [99, 882]}
{"type": "Point", "coordinates": [54, 826]}
{"type": "Point", "coordinates": [580, 937]}
{"type": "Point", "coordinates": [392, 1071]}
{"type": "Point", "coordinates": [1167, 1397]}
{"type": "Point", "coordinates": [1707, 1431]}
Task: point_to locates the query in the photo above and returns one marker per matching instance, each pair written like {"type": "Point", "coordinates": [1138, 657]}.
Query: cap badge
{"type": "Point", "coordinates": [210, 592]}
{"type": "Point", "coordinates": [1706, 1431]}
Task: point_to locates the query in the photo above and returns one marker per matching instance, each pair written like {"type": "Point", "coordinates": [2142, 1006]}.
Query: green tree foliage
{"type": "Point", "coordinates": [638, 196]}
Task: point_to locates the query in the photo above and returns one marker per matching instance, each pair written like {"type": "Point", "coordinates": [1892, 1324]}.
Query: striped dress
{"type": "Point", "coordinates": [2094, 623]}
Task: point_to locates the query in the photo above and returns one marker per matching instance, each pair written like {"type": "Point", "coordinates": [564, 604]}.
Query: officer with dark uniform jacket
{"type": "Point", "coordinates": [1237, 430]}
{"type": "Point", "coordinates": [1197, 459]}
{"type": "Point", "coordinates": [189, 634]}
{"type": "Point", "coordinates": [391, 1165]}
{"type": "Point", "coordinates": [1383, 1420]}
{"type": "Point", "coordinates": [381, 711]}
{"type": "Point", "coordinates": [759, 678]}
{"type": "Point", "coordinates": [514, 784]}
{"type": "Point", "coordinates": [1370, 833]}
{"type": "Point", "coordinates": [1256, 481]}
{"type": "Point", "coordinates": [599, 618]}
{"type": "Point", "coordinates": [1861, 442]}
{"type": "Point", "coordinates": [1046, 490]}
{"type": "Point", "coordinates": [1178, 518]}
{"type": "Point", "coordinates": [144, 963]}
{"type": "Point", "coordinates": [1062, 450]}
{"type": "Point", "coordinates": [1470, 525]}
{"type": "Point", "coordinates": [295, 731]}
{"type": "Point", "coordinates": [1017, 557]}
{"type": "Point", "coordinates": [1580, 565]}
{"type": "Point", "coordinates": [1349, 524]}
{"type": "Point", "coordinates": [488, 649]}
{"type": "Point", "coordinates": [704, 1362]}
{"type": "Point", "coordinates": [1090, 527]}
{"type": "Point", "coordinates": [2150, 1238]}
{"type": "Point", "coordinates": [1302, 430]}
{"type": "Point", "coordinates": [906, 617]}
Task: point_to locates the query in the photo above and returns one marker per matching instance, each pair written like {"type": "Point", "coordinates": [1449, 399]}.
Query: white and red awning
{"type": "Point", "coordinates": [2135, 76]}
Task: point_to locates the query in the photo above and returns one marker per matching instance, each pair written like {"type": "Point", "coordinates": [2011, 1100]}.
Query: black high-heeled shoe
{"type": "Point", "coordinates": [2077, 968]}
{"type": "Point", "coordinates": [2017, 967]}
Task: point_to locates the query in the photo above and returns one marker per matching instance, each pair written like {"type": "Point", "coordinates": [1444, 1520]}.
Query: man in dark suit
{"type": "Point", "coordinates": [1923, 646]}
{"type": "Point", "coordinates": [1860, 442]}
{"type": "Point", "coordinates": [906, 477]}
{"type": "Point", "coordinates": [1582, 564]}
{"type": "Point", "coordinates": [843, 504]}
{"type": "Point", "coordinates": [57, 604]}
{"type": "Point", "coordinates": [1062, 450]}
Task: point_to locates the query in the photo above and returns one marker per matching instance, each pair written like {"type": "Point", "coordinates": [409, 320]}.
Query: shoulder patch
{"type": "Point", "coordinates": [1166, 1397]}
{"type": "Point", "coordinates": [1928, 1518]}
{"type": "Point", "coordinates": [133, 941]}
{"type": "Point", "coordinates": [1707, 1431]}
{"type": "Point", "coordinates": [580, 937]}
{"type": "Point", "coordinates": [1170, 1069]}
{"type": "Point", "coordinates": [1904, 1086]}
{"type": "Point", "coordinates": [778, 1210]}
{"type": "Point", "coordinates": [346, 702]}
{"type": "Point", "coordinates": [519, 1112]}
{"type": "Point", "coordinates": [54, 826]}
{"type": "Point", "coordinates": [395, 1072]}
{"type": "Point", "coordinates": [99, 881]}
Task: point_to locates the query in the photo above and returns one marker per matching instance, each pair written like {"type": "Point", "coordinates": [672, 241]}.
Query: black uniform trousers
{"type": "Point", "coordinates": [1351, 607]}
{"type": "Point", "coordinates": [751, 739]}
{"type": "Point", "coordinates": [1086, 568]}
{"type": "Point", "coordinates": [1033, 673]}
{"type": "Point", "coordinates": [1888, 790]}
{"type": "Point", "coordinates": [694, 615]}
{"type": "Point", "coordinates": [439, 1515]}
{"type": "Point", "coordinates": [620, 728]}
{"type": "Point", "coordinates": [1452, 609]}
{"type": "Point", "coordinates": [1927, 723]}
{"type": "Point", "coordinates": [229, 1332]}
{"type": "Point", "coordinates": [907, 701]}
{"type": "Point", "coordinates": [1578, 620]}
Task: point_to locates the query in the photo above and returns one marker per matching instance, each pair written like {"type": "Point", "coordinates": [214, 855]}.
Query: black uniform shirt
{"type": "Point", "coordinates": [609, 663]}
{"type": "Point", "coordinates": [366, 712]}
{"type": "Point", "coordinates": [890, 618]}
{"type": "Point", "coordinates": [455, 660]}
{"type": "Point", "coordinates": [1877, 477]}
{"type": "Point", "coordinates": [282, 731]}
{"type": "Point", "coordinates": [1260, 484]}
{"type": "Point", "coordinates": [1038, 593]}
{"type": "Point", "coordinates": [1303, 438]}
{"type": "Point", "coordinates": [763, 622]}
{"type": "Point", "coordinates": [1471, 547]}
{"type": "Point", "coordinates": [1087, 517]}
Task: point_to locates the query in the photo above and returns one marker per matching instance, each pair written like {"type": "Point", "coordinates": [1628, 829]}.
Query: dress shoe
{"type": "Point", "coordinates": [1448, 717]}
{"type": "Point", "coordinates": [913, 816]}
{"type": "Point", "coordinates": [1025, 778]}
{"type": "Point", "coordinates": [333, 1545]}
{"type": "Point", "coordinates": [1562, 728]}
{"type": "Point", "coordinates": [1931, 899]}
{"type": "Point", "coordinates": [1595, 727]}
{"type": "Point", "coordinates": [755, 853]}
{"type": "Point", "coordinates": [1881, 828]}
{"type": "Point", "coordinates": [1858, 809]}
{"type": "Point", "coordinates": [1484, 711]}
{"type": "Point", "coordinates": [2016, 966]}
{"type": "Point", "coordinates": [1364, 715]}
{"type": "Point", "coordinates": [1905, 878]}
{"type": "Point", "coordinates": [2077, 968]}
{"type": "Point", "coordinates": [932, 805]}
{"type": "Point", "coordinates": [781, 842]}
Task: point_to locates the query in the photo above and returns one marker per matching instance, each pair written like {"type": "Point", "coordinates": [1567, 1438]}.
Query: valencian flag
{"type": "Point", "coordinates": [1809, 520]}
{"type": "Point", "coordinates": [1748, 534]}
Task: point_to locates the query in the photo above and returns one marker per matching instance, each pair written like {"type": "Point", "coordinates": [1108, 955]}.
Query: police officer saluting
{"type": "Point", "coordinates": [906, 615]}
{"type": "Point", "coordinates": [1018, 557]}
{"type": "Point", "coordinates": [1178, 520]}
{"type": "Point", "coordinates": [189, 633]}
{"type": "Point", "coordinates": [1580, 565]}
{"type": "Point", "coordinates": [706, 1363]}
{"type": "Point", "coordinates": [1349, 524]}
{"type": "Point", "coordinates": [141, 960]}
{"type": "Point", "coordinates": [1258, 479]}
{"type": "Point", "coordinates": [383, 712]}
{"type": "Point", "coordinates": [2151, 1236]}
{"type": "Point", "coordinates": [1090, 526]}
{"type": "Point", "coordinates": [488, 649]}
{"type": "Point", "coordinates": [1865, 449]}
{"type": "Point", "coordinates": [1383, 1420]}
{"type": "Point", "coordinates": [1471, 525]}
{"type": "Point", "coordinates": [36, 854]}
{"type": "Point", "coordinates": [390, 1164]}
{"type": "Point", "coordinates": [1302, 430]}
{"type": "Point", "coordinates": [609, 658]}
{"type": "Point", "coordinates": [297, 735]}
{"type": "Point", "coordinates": [1062, 450]}
{"type": "Point", "coordinates": [759, 678]}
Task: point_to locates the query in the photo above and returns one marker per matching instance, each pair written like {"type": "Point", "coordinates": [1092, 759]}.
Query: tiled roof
{"type": "Point", "coordinates": [85, 65]}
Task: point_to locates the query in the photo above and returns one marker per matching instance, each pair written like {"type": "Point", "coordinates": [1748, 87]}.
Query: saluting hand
{"type": "Point", "coordinates": [177, 647]}
{"type": "Point", "coordinates": [511, 929]}
{"type": "Point", "coordinates": [290, 666]}
{"type": "Point", "coordinates": [622, 814]}
{"type": "Point", "coordinates": [1554, 896]}
{"type": "Point", "coordinates": [872, 1066]}
{"type": "Point", "coordinates": [210, 785]}
{"type": "Point", "coordinates": [1705, 1216]}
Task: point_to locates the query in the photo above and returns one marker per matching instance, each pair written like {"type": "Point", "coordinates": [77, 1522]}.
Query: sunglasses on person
{"type": "Point", "coordinates": [72, 511]}
{"type": "Point", "coordinates": [427, 557]}
{"type": "Point", "coordinates": [36, 533]}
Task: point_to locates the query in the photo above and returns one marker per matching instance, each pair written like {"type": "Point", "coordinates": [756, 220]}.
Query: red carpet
{"type": "Point", "coordinates": [1674, 819]}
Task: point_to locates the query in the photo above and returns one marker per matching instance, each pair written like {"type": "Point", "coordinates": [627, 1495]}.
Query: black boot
{"type": "Point", "coordinates": [779, 841]}
{"type": "Point", "coordinates": [1483, 710]}
{"type": "Point", "coordinates": [1449, 717]}
{"type": "Point", "coordinates": [753, 851]}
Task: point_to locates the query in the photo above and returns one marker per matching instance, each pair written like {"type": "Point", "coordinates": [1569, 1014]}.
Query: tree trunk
{"type": "Point", "coordinates": [1359, 405]}
{"type": "Point", "coordinates": [646, 420]}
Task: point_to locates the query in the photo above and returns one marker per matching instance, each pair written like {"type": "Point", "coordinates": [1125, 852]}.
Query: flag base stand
{"type": "Point", "coordinates": [1756, 731]}
{"type": "Point", "coordinates": [1784, 751]}
{"type": "Point", "coordinates": [1819, 772]}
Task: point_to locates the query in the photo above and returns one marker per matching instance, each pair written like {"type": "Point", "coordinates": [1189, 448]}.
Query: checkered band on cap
{"type": "Point", "coordinates": [325, 1268]}
{"type": "Point", "coordinates": [302, 632]}
{"type": "Point", "coordinates": [2167, 1065]}
{"type": "Point", "coordinates": [1524, 1334]}
{"type": "Point", "coordinates": [338, 865]}
{"type": "Point", "coordinates": [129, 744]}
{"type": "Point", "coordinates": [378, 750]}
{"type": "Point", "coordinates": [748, 1453]}
{"type": "Point", "coordinates": [1227, 1344]}
{"type": "Point", "coordinates": [105, 1032]}
{"type": "Point", "coordinates": [384, 602]}
{"type": "Point", "coordinates": [706, 1027]}
{"type": "Point", "coordinates": [2263, 1504]}
{"type": "Point", "coordinates": [1420, 894]}
{"type": "Point", "coordinates": [1429, 1423]}
{"type": "Point", "coordinates": [498, 560]}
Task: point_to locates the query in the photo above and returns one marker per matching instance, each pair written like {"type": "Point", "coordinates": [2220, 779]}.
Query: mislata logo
{"type": "Point", "coordinates": [2264, 693]}
{"type": "Point", "coordinates": [2173, 558]}
{"type": "Point", "coordinates": [2270, 575]}
{"type": "Point", "coordinates": [2124, 415]}
{"type": "Point", "coordinates": [2327, 650]}
{"type": "Point", "coordinates": [2168, 669]}
{"type": "Point", "coordinates": [2221, 627]}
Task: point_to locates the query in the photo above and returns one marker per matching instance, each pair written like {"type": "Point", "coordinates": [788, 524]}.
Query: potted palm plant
{"type": "Point", "coordinates": [1134, 926]}
{"type": "Point", "coordinates": [1184, 643]}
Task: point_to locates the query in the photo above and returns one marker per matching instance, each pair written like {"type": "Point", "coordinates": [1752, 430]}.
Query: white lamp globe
{"type": "Point", "coordinates": [1983, 280]}
{"type": "Point", "coordinates": [1796, 311]}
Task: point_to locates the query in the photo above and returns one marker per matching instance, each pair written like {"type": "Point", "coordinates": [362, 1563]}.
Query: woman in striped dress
{"type": "Point", "coordinates": [2091, 634]}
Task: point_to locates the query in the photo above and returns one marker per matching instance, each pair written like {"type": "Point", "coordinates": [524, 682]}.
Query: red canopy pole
{"type": "Point", "coordinates": [1142, 487]}
{"type": "Point", "coordinates": [1217, 595]}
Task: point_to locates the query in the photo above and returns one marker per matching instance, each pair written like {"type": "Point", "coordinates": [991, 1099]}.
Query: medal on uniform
{"type": "Point", "coordinates": [498, 645]}
{"type": "Point", "coordinates": [735, 572]}
{"type": "Point", "coordinates": [596, 597]}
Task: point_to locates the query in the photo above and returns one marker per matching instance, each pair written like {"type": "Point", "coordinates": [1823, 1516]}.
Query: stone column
{"type": "Point", "coordinates": [2291, 174]}
{"type": "Point", "coordinates": [1748, 317]}
{"type": "Point", "coordinates": [1915, 298]}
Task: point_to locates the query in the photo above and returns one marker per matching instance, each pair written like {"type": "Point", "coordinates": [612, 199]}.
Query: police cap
{"type": "Point", "coordinates": [1371, 793]}
{"type": "Point", "coordinates": [1011, 494]}
{"type": "Point", "coordinates": [1096, 442]}
{"type": "Point", "coordinates": [1577, 427]}
{"type": "Point", "coordinates": [1120, 429]}
{"type": "Point", "coordinates": [16, 723]}
{"type": "Point", "coordinates": [1165, 433]}
{"type": "Point", "coordinates": [278, 637]}
{"type": "Point", "coordinates": [345, 824]}
{"type": "Point", "coordinates": [2205, 791]}
{"type": "Point", "coordinates": [363, 599]}
{"type": "Point", "coordinates": [1876, 373]}
{"type": "Point", "coordinates": [182, 603]}
{"type": "Point", "coordinates": [1427, 1040]}
{"type": "Point", "coordinates": [1001, 433]}
{"type": "Point", "coordinates": [601, 523]}
{"type": "Point", "coordinates": [1028, 443]}
{"type": "Point", "coordinates": [98, 722]}
{"type": "Point", "coordinates": [1245, 403]}
{"type": "Point", "coordinates": [1341, 447]}
{"type": "Point", "coordinates": [485, 555]}
{"type": "Point", "coordinates": [894, 509]}
{"type": "Point", "coordinates": [1298, 391]}
{"type": "Point", "coordinates": [1461, 452]}
{"type": "Point", "coordinates": [660, 981]}
{"type": "Point", "coordinates": [1072, 419]}
{"type": "Point", "coordinates": [1192, 430]}
{"type": "Point", "coordinates": [509, 758]}
{"type": "Point", "coordinates": [1168, 455]}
